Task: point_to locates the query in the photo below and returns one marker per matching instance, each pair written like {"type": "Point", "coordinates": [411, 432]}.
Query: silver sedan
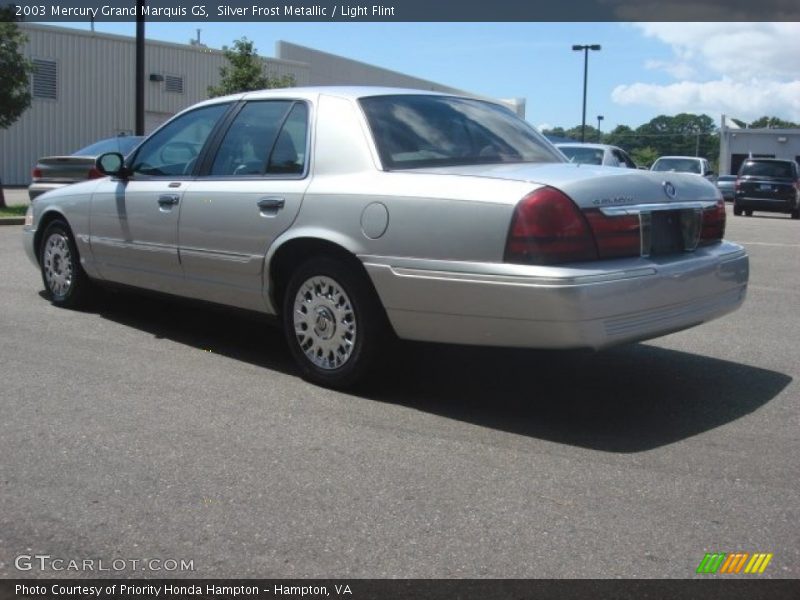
{"type": "Point", "coordinates": [360, 214]}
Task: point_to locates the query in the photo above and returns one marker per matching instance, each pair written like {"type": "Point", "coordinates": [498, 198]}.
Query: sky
{"type": "Point", "coordinates": [743, 70]}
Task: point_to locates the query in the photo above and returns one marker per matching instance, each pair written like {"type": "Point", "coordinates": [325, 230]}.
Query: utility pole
{"type": "Point", "coordinates": [585, 48]}
{"type": "Point", "coordinates": [140, 4]}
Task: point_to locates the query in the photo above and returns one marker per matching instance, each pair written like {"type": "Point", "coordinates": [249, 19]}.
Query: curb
{"type": "Point", "coordinates": [12, 221]}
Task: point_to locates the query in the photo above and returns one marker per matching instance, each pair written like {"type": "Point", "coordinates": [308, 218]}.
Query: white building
{"type": "Point", "coordinates": [736, 144]}
{"type": "Point", "coordinates": [84, 85]}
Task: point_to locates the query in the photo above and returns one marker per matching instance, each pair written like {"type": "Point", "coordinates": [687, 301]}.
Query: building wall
{"type": "Point", "coordinates": [738, 143]}
{"type": "Point", "coordinates": [330, 69]}
{"type": "Point", "coordinates": [95, 88]}
{"type": "Point", "coordinates": [95, 92]}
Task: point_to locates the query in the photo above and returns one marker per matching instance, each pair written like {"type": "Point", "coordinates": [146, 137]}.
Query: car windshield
{"type": "Point", "coordinates": [765, 168]}
{"type": "Point", "coordinates": [683, 165]}
{"type": "Point", "coordinates": [122, 144]}
{"type": "Point", "coordinates": [430, 131]}
{"type": "Point", "coordinates": [583, 155]}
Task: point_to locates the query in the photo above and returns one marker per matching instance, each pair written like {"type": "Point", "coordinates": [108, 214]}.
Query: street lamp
{"type": "Point", "coordinates": [599, 134]}
{"type": "Point", "coordinates": [585, 48]}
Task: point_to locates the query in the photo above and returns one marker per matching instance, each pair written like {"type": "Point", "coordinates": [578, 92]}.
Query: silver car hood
{"type": "Point", "coordinates": [591, 185]}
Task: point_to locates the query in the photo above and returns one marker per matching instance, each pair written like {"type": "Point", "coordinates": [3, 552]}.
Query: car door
{"type": "Point", "coordinates": [134, 220]}
{"type": "Point", "coordinates": [249, 191]}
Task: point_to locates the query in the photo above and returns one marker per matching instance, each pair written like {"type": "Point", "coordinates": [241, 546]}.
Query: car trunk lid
{"type": "Point", "coordinates": [63, 169]}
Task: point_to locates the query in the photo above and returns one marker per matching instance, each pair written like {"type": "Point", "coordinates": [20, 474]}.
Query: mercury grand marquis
{"type": "Point", "coordinates": [358, 214]}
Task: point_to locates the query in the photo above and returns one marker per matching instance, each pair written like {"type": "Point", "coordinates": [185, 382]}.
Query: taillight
{"type": "Point", "coordinates": [737, 185]}
{"type": "Point", "coordinates": [713, 225]}
{"type": "Point", "coordinates": [548, 228]}
{"type": "Point", "coordinates": [36, 173]}
{"type": "Point", "coordinates": [94, 173]}
{"type": "Point", "coordinates": [615, 236]}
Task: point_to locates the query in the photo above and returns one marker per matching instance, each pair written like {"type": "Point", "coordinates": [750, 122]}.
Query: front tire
{"type": "Point", "coordinates": [737, 211]}
{"type": "Point", "coordinates": [64, 279]}
{"type": "Point", "coordinates": [333, 322]}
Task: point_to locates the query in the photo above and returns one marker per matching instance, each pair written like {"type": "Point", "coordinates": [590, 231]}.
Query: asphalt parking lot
{"type": "Point", "coordinates": [152, 429]}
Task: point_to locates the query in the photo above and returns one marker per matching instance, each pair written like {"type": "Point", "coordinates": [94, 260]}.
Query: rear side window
{"type": "Point", "coordinates": [771, 168]}
{"type": "Point", "coordinates": [266, 137]}
{"type": "Point", "coordinates": [413, 131]}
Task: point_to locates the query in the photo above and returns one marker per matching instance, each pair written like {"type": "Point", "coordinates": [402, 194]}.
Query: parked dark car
{"type": "Point", "coordinates": [53, 172]}
{"type": "Point", "coordinates": [769, 185]}
{"type": "Point", "coordinates": [727, 185]}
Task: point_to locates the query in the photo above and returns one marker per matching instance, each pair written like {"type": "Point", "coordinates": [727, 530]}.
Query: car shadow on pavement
{"type": "Point", "coordinates": [628, 399]}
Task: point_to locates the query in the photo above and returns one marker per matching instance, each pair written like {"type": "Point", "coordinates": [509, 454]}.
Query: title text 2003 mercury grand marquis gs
{"type": "Point", "coordinates": [357, 213]}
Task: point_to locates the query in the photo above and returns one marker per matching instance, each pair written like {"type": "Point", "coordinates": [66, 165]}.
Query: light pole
{"type": "Point", "coordinates": [599, 134]}
{"type": "Point", "coordinates": [585, 48]}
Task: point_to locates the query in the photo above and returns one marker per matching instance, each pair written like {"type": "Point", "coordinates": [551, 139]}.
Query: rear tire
{"type": "Point", "coordinates": [64, 279]}
{"type": "Point", "coordinates": [334, 323]}
{"type": "Point", "coordinates": [749, 213]}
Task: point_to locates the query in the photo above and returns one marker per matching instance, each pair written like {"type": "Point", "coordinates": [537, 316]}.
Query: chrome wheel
{"type": "Point", "coordinates": [324, 322]}
{"type": "Point", "coordinates": [57, 264]}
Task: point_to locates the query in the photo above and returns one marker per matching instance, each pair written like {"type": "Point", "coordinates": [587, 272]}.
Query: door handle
{"type": "Point", "coordinates": [168, 199]}
{"type": "Point", "coordinates": [271, 203]}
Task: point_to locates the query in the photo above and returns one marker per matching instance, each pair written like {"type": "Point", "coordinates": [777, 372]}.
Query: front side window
{"type": "Point", "coordinates": [267, 137]}
{"type": "Point", "coordinates": [173, 149]}
{"type": "Point", "coordinates": [413, 131]}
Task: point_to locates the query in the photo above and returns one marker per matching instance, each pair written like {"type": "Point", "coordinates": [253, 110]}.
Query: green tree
{"type": "Point", "coordinates": [644, 157]}
{"type": "Point", "coordinates": [622, 136]}
{"type": "Point", "coordinates": [554, 131]}
{"type": "Point", "coordinates": [684, 134]}
{"type": "Point", "coordinates": [773, 123]}
{"type": "Point", "coordinates": [245, 71]}
{"type": "Point", "coordinates": [15, 95]}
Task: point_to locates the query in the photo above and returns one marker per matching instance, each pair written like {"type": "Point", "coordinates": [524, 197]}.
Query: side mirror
{"type": "Point", "coordinates": [111, 163]}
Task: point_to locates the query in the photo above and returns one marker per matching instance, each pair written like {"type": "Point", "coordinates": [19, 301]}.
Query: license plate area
{"type": "Point", "coordinates": [666, 232]}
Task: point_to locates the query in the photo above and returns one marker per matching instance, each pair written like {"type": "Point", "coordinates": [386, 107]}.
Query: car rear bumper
{"type": "Point", "coordinates": [784, 205]}
{"type": "Point", "coordinates": [603, 304]}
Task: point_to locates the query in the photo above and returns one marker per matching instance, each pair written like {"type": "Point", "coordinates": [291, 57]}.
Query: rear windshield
{"type": "Point", "coordinates": [764, 168]}
{"type": "Point", "coordinates": [682, 165]}
{"type": "Point", "coordinates": [430, 131]}
{"type": "Point", "coordinates": [584, 156]}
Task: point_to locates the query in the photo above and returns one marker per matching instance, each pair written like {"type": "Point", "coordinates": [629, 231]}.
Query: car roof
{"type": "Point", "coordinates": [765, 159]}
{"type": "Point", "coordinates": [586, 145]}
{"type": "Point", "coordinates": [682, 157]}
{"type": "Point", "coordinates": [350, 92]}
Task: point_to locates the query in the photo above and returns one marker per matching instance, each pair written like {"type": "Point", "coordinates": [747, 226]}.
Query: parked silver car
{"type": "Point", "coordinates": [597, 154]}
{"type": "Point", "coordinates": [685, 164]}
{"type": "Point", "coordinates": [53, 172]}
{"type": "Point", "coordinates": [358, 213]}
